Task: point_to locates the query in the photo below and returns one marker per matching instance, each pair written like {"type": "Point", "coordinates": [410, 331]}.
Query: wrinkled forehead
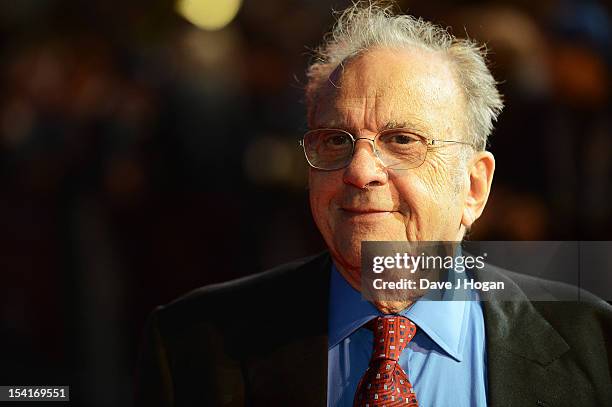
{"type": "Point", "coordinates": [375, 112]}
{"type": "Point", "coordinates": [385, 86]}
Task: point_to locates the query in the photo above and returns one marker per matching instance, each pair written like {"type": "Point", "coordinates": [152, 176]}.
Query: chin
{"type": "Point", "coordinates": [347, 246]}
{"type": "Point", "coordinates": [348, 254]}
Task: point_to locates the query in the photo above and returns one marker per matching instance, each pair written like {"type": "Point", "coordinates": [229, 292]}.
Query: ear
{"type": "Point", "coordinates": [480, 170]}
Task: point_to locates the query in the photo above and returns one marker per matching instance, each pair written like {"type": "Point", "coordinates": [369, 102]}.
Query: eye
{"type": "Point", "coordinates": [401, 138]}
{"type": "Point", "coordinates": [337, 139]}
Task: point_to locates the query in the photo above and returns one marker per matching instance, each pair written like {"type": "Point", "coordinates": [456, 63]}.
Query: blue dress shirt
{"type": "Point", "coordinates": [445, 362]}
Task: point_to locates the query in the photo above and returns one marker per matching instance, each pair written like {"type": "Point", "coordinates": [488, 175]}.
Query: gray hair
{"type": "Point", "coordinates": [360, 28]}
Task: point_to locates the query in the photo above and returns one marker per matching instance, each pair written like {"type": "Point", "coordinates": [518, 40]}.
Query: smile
{"type": "Point", "coordinates": [365, 213]}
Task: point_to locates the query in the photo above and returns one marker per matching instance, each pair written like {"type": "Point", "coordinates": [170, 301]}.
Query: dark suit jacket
{"type": "Point", "coordinates": [262, 341]}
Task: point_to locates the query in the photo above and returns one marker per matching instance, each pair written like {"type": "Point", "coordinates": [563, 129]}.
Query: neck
{"type": "Point", "coordinates": [392, 307]}
{"type": "Point", "coordinates": [352, 275]}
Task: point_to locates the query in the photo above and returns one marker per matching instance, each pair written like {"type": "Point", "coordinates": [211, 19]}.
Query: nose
{"type": "Point", "coordinates": [365, 168]}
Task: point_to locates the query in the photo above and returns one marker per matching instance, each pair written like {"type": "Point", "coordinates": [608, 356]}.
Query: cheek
{"type": "Point", "coordinates": [324, 187]}
{"type": "Point", "coordinates": [427, 199]}
{"type": "Point", "coordinates": [446, 195]}
{"type": "Point", "coordinates": [436, 176]}
{"type": "Point", "coordinates": [413, 193]}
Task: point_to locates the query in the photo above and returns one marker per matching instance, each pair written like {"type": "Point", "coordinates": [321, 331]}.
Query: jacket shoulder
{"type": "Point", "coordinates": [243, 296]}
{"type": "Point", "coordinates": [543, 290]}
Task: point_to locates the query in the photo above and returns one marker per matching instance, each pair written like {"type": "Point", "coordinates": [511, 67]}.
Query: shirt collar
{"type": "Point", "coordinates": [444, 322]}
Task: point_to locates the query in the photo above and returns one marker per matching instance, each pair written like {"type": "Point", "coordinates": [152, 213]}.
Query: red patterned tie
{"type": "Point", "coordinates": [385, 383]}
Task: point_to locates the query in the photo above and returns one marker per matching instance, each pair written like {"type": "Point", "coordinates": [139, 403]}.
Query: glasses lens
{"type": "Point", "coordinates": [328, 149]}
{"type": "Point", "coordinates": [401, 150]}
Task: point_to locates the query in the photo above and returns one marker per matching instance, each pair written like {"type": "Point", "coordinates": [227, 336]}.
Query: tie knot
{"type": "Point", "coordinates": [391, 335]}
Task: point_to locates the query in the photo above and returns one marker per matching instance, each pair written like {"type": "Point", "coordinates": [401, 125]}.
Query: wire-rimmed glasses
{"type": "Point", "coordinates": [400, 149]}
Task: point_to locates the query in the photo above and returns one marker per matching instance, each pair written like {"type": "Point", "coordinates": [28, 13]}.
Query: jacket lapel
{"type": "Point", "coordinates": [294, 375]}
{"type": "Point", "coordinates": [521, 349]}
{"type": "Point", "coordinates": [294, 371]}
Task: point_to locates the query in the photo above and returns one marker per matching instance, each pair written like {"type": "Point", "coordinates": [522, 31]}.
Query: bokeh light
{"type": "Point", "coordinates": [209, 14]}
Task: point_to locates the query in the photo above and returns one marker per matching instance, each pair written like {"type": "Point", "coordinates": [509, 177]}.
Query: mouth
{"type": "Point", "coordinates": [365, 212]}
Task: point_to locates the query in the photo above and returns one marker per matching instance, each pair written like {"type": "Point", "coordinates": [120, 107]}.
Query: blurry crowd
{"type": "Point", "coordinates": [142, 157]}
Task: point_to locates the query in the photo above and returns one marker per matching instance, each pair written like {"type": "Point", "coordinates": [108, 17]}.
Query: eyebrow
{"type": "Point", "coordinates": [389, 125]}
{"type": "Point", "coordinates": [419, 129]}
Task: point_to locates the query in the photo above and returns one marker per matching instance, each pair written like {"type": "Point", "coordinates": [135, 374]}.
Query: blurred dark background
{"type": "Point", "coordinates": [149, 147]}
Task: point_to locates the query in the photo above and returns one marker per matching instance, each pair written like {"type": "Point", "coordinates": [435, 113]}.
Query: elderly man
{"type": "Point", "coordinates": [399, 114]}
